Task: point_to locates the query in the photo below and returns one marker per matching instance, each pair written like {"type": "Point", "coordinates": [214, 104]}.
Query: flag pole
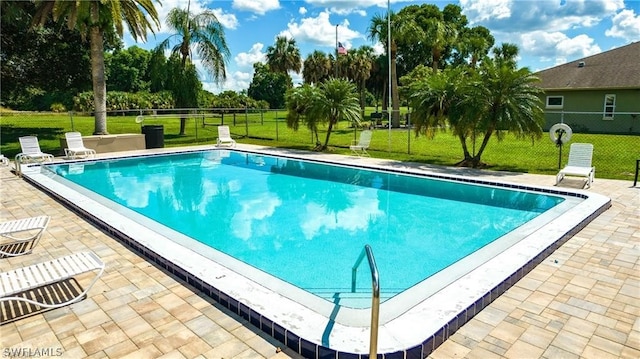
{"type": "Point", "coordinates": [389, 102]}
{"type": "Point", "coordinates": [336, 69]}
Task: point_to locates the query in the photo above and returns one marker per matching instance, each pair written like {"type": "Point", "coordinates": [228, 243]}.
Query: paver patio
{"type": "Point", "coordinates": [581, 302]}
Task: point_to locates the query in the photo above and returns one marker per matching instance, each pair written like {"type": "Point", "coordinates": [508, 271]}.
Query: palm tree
{"type": "Point", "coordinates": [298, 102]}
{"type": "Point", "coordinates": [474, 44]}
{"type": "Point", "coordinates": [378, 30]}
{"type": "Point", "coordinates": [284, 56]}
{"type": "Point", "coordinates": [95, 18]}
{"type": "Point", "coordinates": [492, 99]}
{"type": "Point", "coordinates": [377, 83]}
{"type": "Point", "coordinates": [204, 33]}
{"type": "Point", "coordinates": [506, 54]}
{"type": "Point", "coordinates": [439, 36]}
{"type": "Point", "coordinates": [436, 97]}
{"type": "Point", "coordinates": [505, 99]}
{"type": "Point", "coordinates": [316, 67]}
{"type": "Point", "coordinates": [360, 62]}
{"type": "Point", "coordinates": [333, 101]}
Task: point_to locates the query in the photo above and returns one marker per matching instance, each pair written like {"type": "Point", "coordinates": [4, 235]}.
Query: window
{"type": "Point", "coordinates": [555, 102]}
{"type": "Point", "coordinates": [609, 106]}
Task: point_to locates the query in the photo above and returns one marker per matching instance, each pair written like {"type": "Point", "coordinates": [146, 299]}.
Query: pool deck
{"type": "Point", "coordinates": [582, 302]}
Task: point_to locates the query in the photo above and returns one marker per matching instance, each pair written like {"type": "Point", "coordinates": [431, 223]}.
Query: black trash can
{"type": "Point", "coordinates": [153, 136]}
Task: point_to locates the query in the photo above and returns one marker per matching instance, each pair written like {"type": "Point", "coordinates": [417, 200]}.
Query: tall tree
{"type": "Point", "coordinates": [430, 35]}
{"type": "Point", "coordinates": [268, 85]}
{"type": "Point", "coordinates": [94, 18]}
{"type": "Point", "coordinates": [360, 62]}
{"type": "Point", "coordinates": [317, 67]}
{"type": "Point", "coordinates": [127, 70]}
{"type": "Point", "coordinates": [284, 56]}
{"type": "Point", "coordinates": [42, 66]}
{"type": "Point", "coordinates": [506, 54]}
{"type": "Point", "coordinates": [377, 83]}
{"type": "Point", "coordinates": [182, 80]}
{"type": "Point", "coordinates": [473, 46]}
{"type": "Point", "coordinates": [205, 34]}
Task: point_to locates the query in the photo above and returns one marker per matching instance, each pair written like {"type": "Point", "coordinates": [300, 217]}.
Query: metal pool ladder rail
{"type": "Point", "coordinates": [375, 298]}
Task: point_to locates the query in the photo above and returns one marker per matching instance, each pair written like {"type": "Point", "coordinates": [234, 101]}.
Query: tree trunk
{"type": "Point", "coordinates": [465, 149]}
{"type": "Point", "coordinates": [183, 126]}
{"type": "Point", "coordinates": [476, 159]}
{"type": "Point", "coordinates": [385, 100]}
{"type": "Point", "coordinates": [326, 139]}
{"type": "Point", "coordinates": [97, 74]}
{"type": "Point", "coordinates": [395, 97]}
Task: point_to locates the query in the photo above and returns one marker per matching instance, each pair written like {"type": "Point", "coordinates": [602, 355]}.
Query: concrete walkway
{"type": "Point", "coordinates": [582, 302]}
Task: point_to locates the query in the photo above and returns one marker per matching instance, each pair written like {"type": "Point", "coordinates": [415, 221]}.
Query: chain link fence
{"type": "Point", "coordinates": [616, 142]}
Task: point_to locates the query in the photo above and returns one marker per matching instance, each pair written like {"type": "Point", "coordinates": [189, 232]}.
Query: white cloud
{"type": "Point", "coordinates": [320, 31]}
{"type": "Point", "coordinates": [557, 47]}
{"type": "Point", "coordinates": [227, 20]}
{"type": "Point", "coordinates": [518, 16]}
{"type": "Point", "coordinates": [245, 60]}
{"type": "Point", "coordinates": [253, 211]}
{"type": "Point", "coordinates": [256, 6]}
{"type": "Point", "coordinates": [315, 218]}
{"type": "Point", "coordinates": [378, 48]}
{"type": "Point", "coordinates": [236, 81]}
{"type": "Point", "coordinates": [342, 7]}
{"type": "Point", "coordinates": [482, 10]}
{"type": "Point", "coordinates": [626, 25]}
{"type": "Point", "coordinates": [302, 10]}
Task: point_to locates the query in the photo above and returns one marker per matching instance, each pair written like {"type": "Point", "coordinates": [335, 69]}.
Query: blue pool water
{"type": "Point", "coordinates": [306, 222]}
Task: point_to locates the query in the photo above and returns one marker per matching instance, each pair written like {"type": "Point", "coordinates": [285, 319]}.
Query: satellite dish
{"type": "Point", "coordinates": [139, 119]}
{"type": "Point", "coordinates": [560, 133]}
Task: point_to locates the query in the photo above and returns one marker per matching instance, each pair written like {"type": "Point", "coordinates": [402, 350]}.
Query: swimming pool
{"type": "Point", "coordinates": [338, 324]}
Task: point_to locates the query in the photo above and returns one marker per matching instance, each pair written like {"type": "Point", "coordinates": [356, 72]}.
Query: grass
{"type": "Point", "coordinates": [614, 155]}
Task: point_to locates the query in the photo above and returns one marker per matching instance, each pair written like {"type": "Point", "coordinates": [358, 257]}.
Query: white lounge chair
{"type": "Point", "coordinates": [30, 152]}
{"type": "Point", "coordinates": [360, 147]}
{"type": "Point", "coordinates": [224, 137]}
{"type": "Point", "coordinates": [75, 146]}
{"type": "Point", "coordinates": [579, 164]}
{"type": "Point", "coordinates": [23, 234]}
{"type": "Point", "coordinates": [15, 283]}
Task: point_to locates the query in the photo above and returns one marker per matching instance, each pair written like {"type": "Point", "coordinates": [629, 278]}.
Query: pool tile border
{"type": "Point", "coordinates": [309, 349]}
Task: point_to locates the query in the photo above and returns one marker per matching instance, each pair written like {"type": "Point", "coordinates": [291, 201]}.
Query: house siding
{"type": "Point", "coordinates": [583, 110]}
{"type": "Point", "coordinates": [583, 85]}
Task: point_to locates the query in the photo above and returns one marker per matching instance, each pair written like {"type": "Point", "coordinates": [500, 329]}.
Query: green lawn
{"type": "Point", "coordinates": [614, 155]}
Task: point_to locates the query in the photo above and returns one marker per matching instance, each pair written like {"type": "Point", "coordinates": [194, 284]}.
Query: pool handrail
{"type": "Point", "coordinates": [375, 297]}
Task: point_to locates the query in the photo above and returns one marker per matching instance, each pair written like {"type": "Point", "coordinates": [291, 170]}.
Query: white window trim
{"type": "Point", "coordinates": [554, 107]}
{"type": "Point", "coordinates": [605, 116]}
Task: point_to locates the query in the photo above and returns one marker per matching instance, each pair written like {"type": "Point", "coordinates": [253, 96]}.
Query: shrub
{"type": "Point", "coordinates": [57, 107]}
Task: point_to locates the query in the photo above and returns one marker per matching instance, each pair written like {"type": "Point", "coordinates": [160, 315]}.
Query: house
{"type": "Point", "coordinates": [597, 94]}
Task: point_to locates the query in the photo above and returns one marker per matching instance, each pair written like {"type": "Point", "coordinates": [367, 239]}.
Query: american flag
{"type": "Point", "coordinates": [341, 49]}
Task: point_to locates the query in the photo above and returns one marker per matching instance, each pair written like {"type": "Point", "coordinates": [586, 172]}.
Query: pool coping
{"type": "Point", "coordinates": [420, 331]}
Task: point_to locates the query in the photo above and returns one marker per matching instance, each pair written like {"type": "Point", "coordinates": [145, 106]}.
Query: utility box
{"type": "Point", "coordinates": [153, 136]}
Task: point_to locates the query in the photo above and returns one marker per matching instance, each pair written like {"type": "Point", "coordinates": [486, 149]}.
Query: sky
{"type": "Point", "coordinates": [547, 32]}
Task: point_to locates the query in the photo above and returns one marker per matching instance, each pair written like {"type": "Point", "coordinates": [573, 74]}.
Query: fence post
{"type": "Point", "coordinates": [195, 124]}
{"type": "Point", "coordinates": [246, 122]}
{"type": "Point", "coordinates": [71, 117]}
{"type": "Point", "coordinates": [408, 123]}
{"type": "Point", "coordinates": [277, 133]}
